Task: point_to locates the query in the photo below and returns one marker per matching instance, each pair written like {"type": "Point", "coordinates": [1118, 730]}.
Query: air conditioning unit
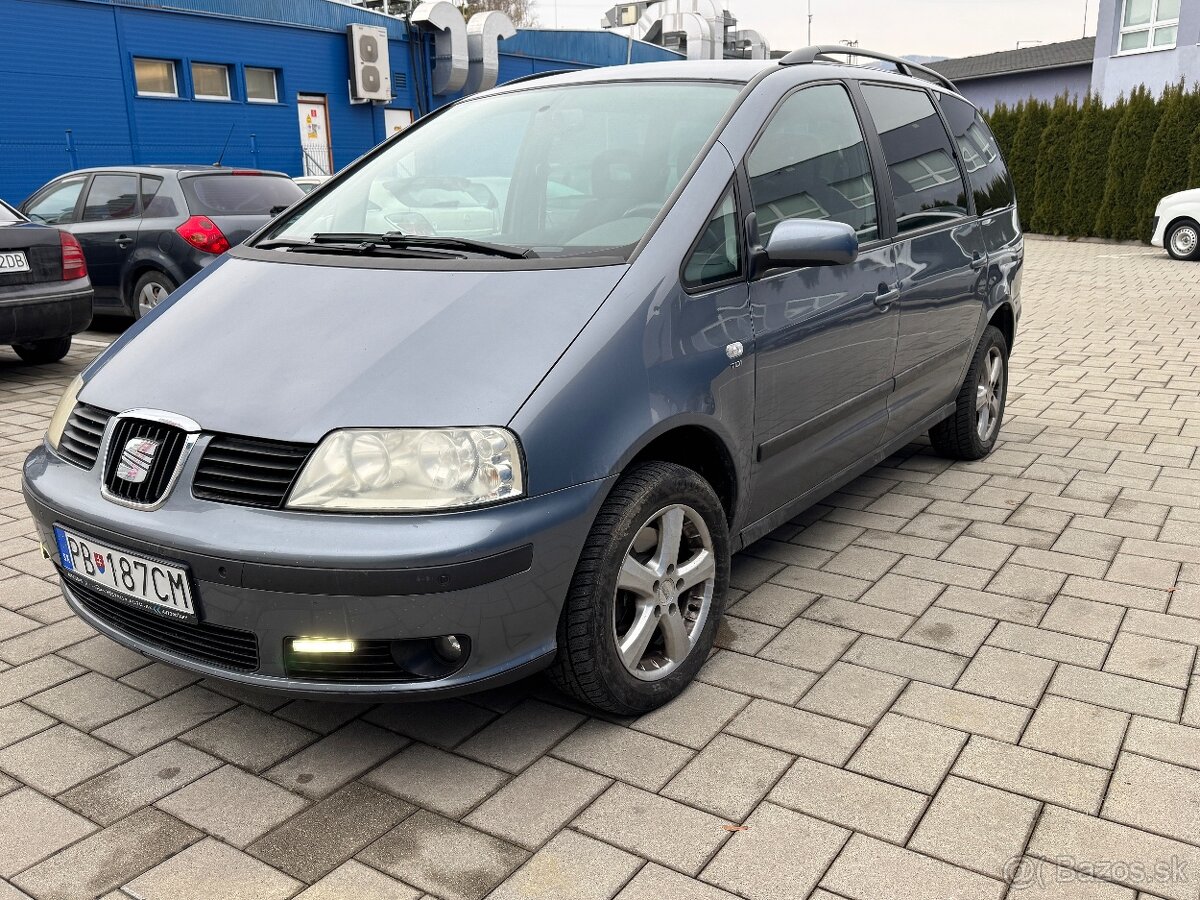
{"type": "Point", "coordinates": [369, 78]}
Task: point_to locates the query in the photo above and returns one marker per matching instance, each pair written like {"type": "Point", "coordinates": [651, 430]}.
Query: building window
{"type": "Point", "coordinates": [1149, 25]}
{"type": "Point", "coordinates": [210, 82]}
{"type": "Point", "coordinates": [260, 85]}
{"type": "Point", "coordinates": [155, 78]}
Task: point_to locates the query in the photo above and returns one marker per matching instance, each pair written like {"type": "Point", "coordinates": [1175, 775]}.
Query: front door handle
{"type": "Point", "coordinates": [978, 261]}
{"type": "Point", "coordinates": [886, 296]}
{"type": "Point", "coordinates": [123, 241]}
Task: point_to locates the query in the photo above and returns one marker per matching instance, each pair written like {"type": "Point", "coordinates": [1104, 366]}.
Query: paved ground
{"type": "Point", "coordinates": [945, 682]}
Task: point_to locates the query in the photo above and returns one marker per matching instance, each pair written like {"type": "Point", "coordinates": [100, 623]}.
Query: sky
{"type": "Point", "coordinates": [900, 27]}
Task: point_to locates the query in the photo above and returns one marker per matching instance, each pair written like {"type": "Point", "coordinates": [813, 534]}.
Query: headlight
{"type": "Point", "coordinates": [62, 412]}
{"type": "Point", "coordinates": [410, 469]}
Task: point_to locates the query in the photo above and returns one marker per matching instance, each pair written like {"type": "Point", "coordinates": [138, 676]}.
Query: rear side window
{"type": "Point", "coordinates": [925, 179]}
{"type": "Point", "coordinates": [111, 197]}
{"type": "Point", "coordinates": [811, 162]}
{"type": "Point", "coordinates": [990, 181]}
{"type": "Point", "coordinates": [238, 195]}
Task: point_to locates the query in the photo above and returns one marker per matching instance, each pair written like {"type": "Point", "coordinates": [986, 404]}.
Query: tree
{"type": "Point", "coordinates": [1118, 214]}
{"type": "Point", "coordinates": [1003, 122]}
{"type": "Point", "coordinates": [1089, 163]}
{"type": "Point", "coordinates": [1053, 168]}
{"type": "Point", "coordinates": [520, 11]}
{"type": "Point", "coordinates": [1167, 164]}
{"type": "Point", "coordinates": [1194, 178]}
{"type": "Point", "coordinates": [1022, 162]}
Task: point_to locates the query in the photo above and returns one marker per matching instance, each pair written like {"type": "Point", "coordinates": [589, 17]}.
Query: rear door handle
{"type": "Point", "coordinates": [123, 241]}
{"type": "Point", "coordinates": [978, 261]}
{"type": "Point", "coordinates": [886, 296]}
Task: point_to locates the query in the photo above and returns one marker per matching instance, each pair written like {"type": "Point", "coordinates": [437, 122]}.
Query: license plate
{"type": "Point", "coordinates": [13, 261]}
{"type": "Point", "coordinates": [144, 583]}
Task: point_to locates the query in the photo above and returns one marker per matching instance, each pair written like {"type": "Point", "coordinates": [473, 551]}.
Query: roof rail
{"type": "Point", "coordinates": [823, 52]}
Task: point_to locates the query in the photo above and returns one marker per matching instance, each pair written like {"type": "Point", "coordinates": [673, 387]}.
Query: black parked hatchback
{"type": "Point", "coordinates": [147, 229]}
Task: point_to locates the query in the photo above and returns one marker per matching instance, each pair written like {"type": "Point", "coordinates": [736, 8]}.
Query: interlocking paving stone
{"type": "Point", "coordinates": [809, 645]}
{"type": "Point", "coordinates": [1038, 880]}
{"type": "Point", "coordinates": [728, 777]}
{"type": "Point", "coordinates": [1151, 659]}
{"type": "Point", "coordinates": [233, 805]}
{"type": "Point", "coordinates": [623, 753]}
{"type": "Point", "coordinates": [1155, 796]}
{"type": "Point", "coordinates": [902, 594]}
{"type": "Point", "coordinates": [950, 630]}
{"type": "Point", "coordinates": [249, 738]}
{"type": "Point", "coordinates": [520, 736]}
{"type": "Point", "coordinates": [354, 880]}
{"type": "Point", "coordinates": [908, 752]}
{"type": "Point", "coordinates": [762, 863]}
{"type": "Point", "coordinates": [443, 723]}
{"type": "Point", "coordinates": [1075, 730]}
{"type": "Point", "coordinates": [89, 701]}
{"type": "Point", "coordinates": [773, 604]}
{"type": "Point", "coordinates": [444, 858]}
{"type": "Point", "coordinates": [853, 693]}
{"type": "Point", "coordinates": [330, 831]}
{"type": "Point", "coordinates": [141, 780]}
{"type": "Point", "coordinates": [966, 712]}
{"type": "Point", "coordinates": [571, 865]}
{"type": "Point", "coordinates": [214, 871]}
{"type": "Point", "coordinates": [1179, 744]}
{"type": "Point", "coordinates": [58, 758]}
{"type": "Point", "coordinates": [859, 617]}
{"type": "Point", "coordinates": [757, 677]}
{"type": "Point", "coordinates": [538, 802]}
{"type": "Point", "coordinates": [853, 801]}
{"type": "Point", "coordinates": [1064, 648]}
{"type": "Point", "coordinates": [1117, 692]}
{"type": "Point", "coordinates": [1033, 773]}
{"type": "Point", "coordinates": [100, 654]}
{"type": "Point", "coordinates": [436, 780]}
{"type": "Point", "coordinates": [159, 679]}
{"type": "Point", "coordinates": [868, 869]}
{"type": "Point", "coordinates": [1006, 675]}
{"type": "Point", "coordinates": [797, 731]}
{"type": "Point", "coordinates": [321, 768]}
{"type": "Point", "coordinates": [164, 719]}
{"type": "Point", "coordinates": [907, 660]}
{"type": "Point", "coordinates": [695, 717]}
{"type": "Point", "coordinates": [33, 827]}
{"type": "Point", "coordinates": [654, 882]}
{"type": "Point", "coordinates": [18, 721]}
{"type": "Point", "coordinates": [976, 827]}
{"type": "Point", "coordinates": [108, 858]}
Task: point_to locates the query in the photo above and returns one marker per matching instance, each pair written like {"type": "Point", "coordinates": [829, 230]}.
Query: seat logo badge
{"type": "Point", "coordinates": [136, 460]}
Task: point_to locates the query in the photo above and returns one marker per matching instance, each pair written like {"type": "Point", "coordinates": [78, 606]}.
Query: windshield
{"type": "Point", "coordinates": [239, 194]}
{"type": "Point", "coordinates": [561, 171]}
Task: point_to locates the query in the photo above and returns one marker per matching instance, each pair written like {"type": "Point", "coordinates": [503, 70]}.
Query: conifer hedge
{"type": "Point", "coordinates": [1053, 170]}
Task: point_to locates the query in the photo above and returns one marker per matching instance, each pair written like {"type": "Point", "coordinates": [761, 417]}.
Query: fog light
{"type": "Point", "coordinates": [322, 645]}
{"type": "Point", "coordinates": [448, 647]}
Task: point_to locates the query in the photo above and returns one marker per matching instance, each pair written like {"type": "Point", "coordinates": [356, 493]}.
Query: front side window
{"type": "Point", "coordinates": [111, 197]}
{"type": "Point", "coordinates": [570, 171]}
{"type": "Point", "coordinates": [990, 181]}
{"type": "Point", "coordinates": [717, 256]}
{"type": "Point", "coordinates": [155, 78]}
{"type": "Point", "coordinates": [260, 85]}
{"type": "Point", "coordinates": [1149, 25]}
{"type": "Point", "coordinates": [210, 82]}
{"type": "Point", "coordinates": [926, 183]}
{"type": "Point", "coordinates": [57, 205]}
{"type": "Point", "coordinates": [811, 162]}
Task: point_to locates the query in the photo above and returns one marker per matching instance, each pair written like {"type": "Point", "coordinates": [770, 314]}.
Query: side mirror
{"type": "Point", "coordinates": [811, 242]}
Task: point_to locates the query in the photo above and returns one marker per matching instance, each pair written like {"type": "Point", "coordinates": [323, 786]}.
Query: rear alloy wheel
{"type": "Point", "coordinates": [971, 431]}
{"type": "Point", "coordinates": [1183, 241]}
{"type": "Point", "coordinates": [151, 289]}
{"type": "Point", "coordinates": [41, 352]}
{"type": "Point", "coordinates": [647, 594]}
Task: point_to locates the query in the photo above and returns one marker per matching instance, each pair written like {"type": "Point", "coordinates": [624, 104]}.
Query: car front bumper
{"type": "Point", "coordinates": [1158, 233]}
{"type": "Point", "coordinates": [497, 576]}
{"type": "Point", "coordinates": [36, 313]}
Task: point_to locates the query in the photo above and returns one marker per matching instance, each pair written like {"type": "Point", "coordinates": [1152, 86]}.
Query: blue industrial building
{"type": "Point", "coordinates": [109, 82]}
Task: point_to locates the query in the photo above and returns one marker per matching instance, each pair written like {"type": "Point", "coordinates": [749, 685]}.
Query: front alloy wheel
{"type": "Point", "coordinates": [643, 606]}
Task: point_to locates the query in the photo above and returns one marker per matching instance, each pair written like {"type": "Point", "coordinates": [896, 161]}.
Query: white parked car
{"type": "Point", "coordinates": [309, 183]}
{"type": "Point", "coordinates": [1177, 224]}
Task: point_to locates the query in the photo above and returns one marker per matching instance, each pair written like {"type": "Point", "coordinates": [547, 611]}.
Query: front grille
{"type": "Point", "coordinates": [371, 661]}
{"type": "Point", "coordinates": [158, 470]}
{"type": "Point", "coordinates": [229, 648]}
{"type": "Point", "coordinates": [80, 444]}
{"type": "Point", "coordinates": [247, 471]}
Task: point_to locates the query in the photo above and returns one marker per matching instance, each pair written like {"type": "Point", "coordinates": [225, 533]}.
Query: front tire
{"type": "Point", "coordinates": [1183, 241]}
{"type": "Point", "coordinates": [647, 593]}
{"type": "Point", "coordinates": [971, 430]}
{"type": "Point", "coordinates": [151, 289]}
{"type": "Point", "coordinates": [41, 352]}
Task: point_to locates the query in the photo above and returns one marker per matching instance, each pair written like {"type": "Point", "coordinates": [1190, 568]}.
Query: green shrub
{"type": "Point", "coordinates": [1027, 141]}
{"type": "Point", "coordinates": [1167, 163]}
{"type": "Point", "coordinates": [1053, 170]}
{"type": "Point", "coordinates": [1194, 177]}
{"type": "Point", "coordinates": [1118, 216]}
{"type": "Point", "coordinates": [1003, 122]}
{"type": "Point", "coordinates": [1089, 163]}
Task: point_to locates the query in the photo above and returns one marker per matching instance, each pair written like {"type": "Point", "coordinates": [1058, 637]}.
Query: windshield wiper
{"type": "Point", "coordinates": [356, 245]}
{"type": "Point", "coordinates": [400, 240]}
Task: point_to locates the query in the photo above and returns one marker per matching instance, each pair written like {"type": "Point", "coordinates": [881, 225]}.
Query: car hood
{"type": "Point", "coordinates": [1182, 197]}
{"type": "Point", "coordinates": [291, 351]}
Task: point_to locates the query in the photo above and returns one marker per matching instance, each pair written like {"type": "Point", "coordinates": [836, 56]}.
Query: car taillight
{"type": "Point", "coordinates": [74, 266]}
{"type": "Point", "coordinates": [203, 234]}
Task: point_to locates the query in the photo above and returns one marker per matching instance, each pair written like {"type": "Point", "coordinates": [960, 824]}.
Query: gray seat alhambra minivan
{"type": "Point", "coordinates": [507, 393]}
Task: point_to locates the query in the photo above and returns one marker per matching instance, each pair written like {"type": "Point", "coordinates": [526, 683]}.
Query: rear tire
{"type": "Point", "coordinates": [647, 593]}
{"type": "Point", "coordinates": [151, 289]}
{"type": "Point", "coordinates": [1183, 240]}
{"type": "Point", "coordinates": [971, 430]}
{"type": "Point", "coordinates": [41, 352]}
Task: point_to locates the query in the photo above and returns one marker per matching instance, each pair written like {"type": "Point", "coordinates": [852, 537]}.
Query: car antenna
{"type": "Point", "coordinates": [225, 146]}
